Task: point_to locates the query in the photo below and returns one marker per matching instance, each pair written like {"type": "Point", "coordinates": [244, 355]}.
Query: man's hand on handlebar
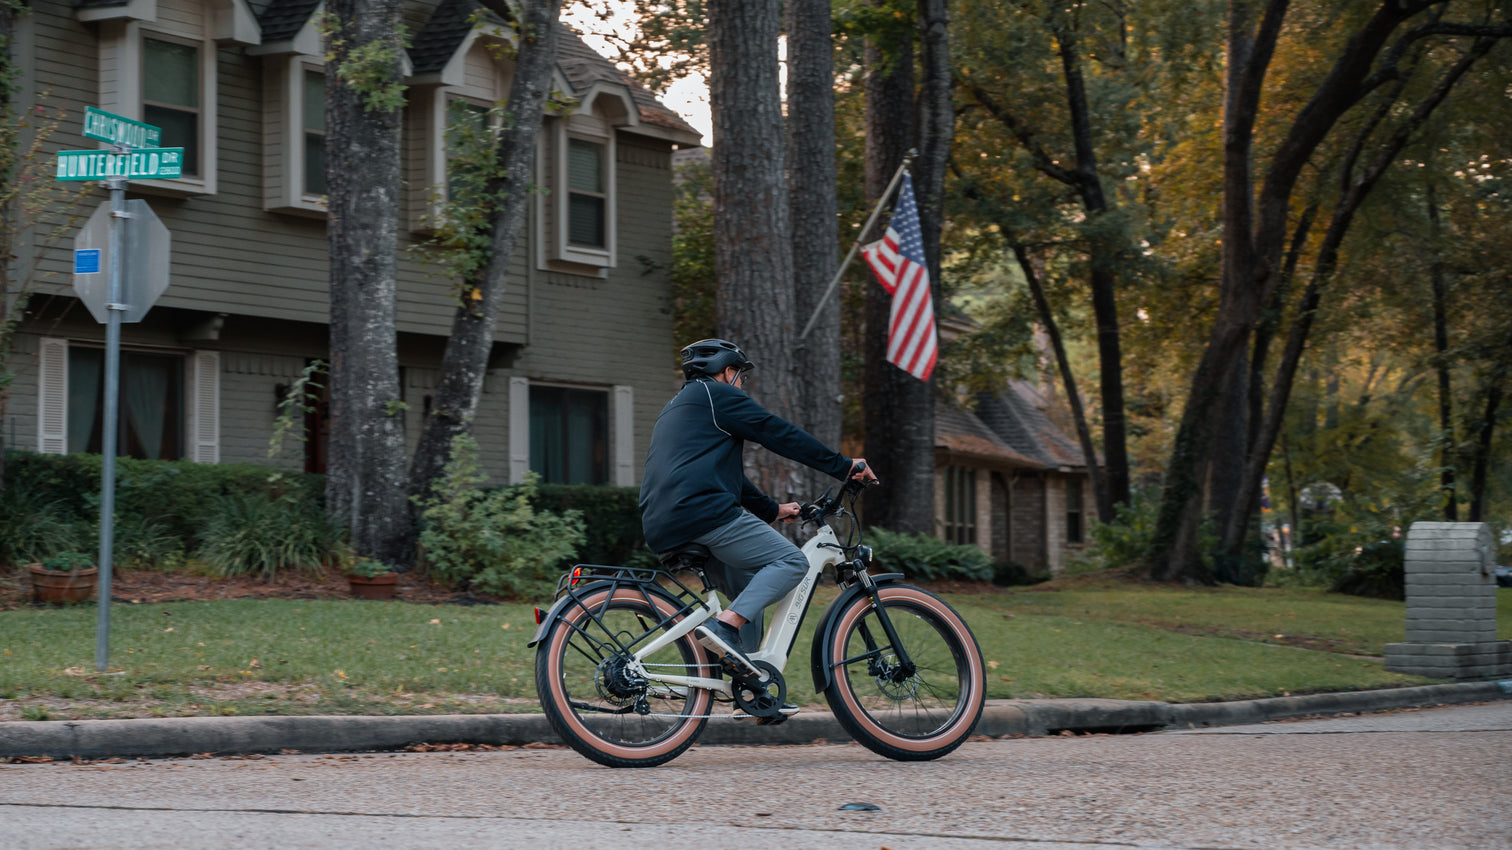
{"type": "Point", "coordinates": [788, 512]}
{"type": "Point", "coordinates": [861, 471]}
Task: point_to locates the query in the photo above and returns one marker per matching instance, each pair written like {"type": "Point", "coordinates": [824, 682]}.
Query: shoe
{"type": "Point", "coordinates": [721, 638]}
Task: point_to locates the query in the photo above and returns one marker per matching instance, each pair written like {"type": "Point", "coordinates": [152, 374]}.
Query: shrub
{"type": "Point", "coordinates": [162, 506]}
{"type": "Point", "coordinates": [67, 562]}
{"type": "Point", "coordinates": [1013, 574]}
{"type": "Point", "coordinates": [368, 568]}
{"type": "Point", "coordinates": [493, 541]}
{"type": "Point", "coordinates": [1378, 570]}
{"type": "Point", "coordinates": [33, 527]}
{"type": "Point", "coordinates": [920, 556]}
{"type": "Point", "coordinates": [250, 533]}
{"type": "Point", "coordinates": [611, 519]}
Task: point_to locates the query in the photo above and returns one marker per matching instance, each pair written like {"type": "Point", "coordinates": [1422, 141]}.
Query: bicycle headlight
{"type": "Point", "coordinates": [864, 554]}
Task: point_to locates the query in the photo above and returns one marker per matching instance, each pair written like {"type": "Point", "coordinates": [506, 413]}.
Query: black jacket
{"type": "Point", "coordinates": [694, 481]}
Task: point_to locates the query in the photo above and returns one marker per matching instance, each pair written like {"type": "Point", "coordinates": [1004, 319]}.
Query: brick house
{"type": "Point", "coordinates": [1009, 481]}
{"type": "Point", "coordinates": [583, 358]}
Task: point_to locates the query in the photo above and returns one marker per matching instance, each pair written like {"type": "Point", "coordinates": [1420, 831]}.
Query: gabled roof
{"type": "Point", "coordinates": [444, 33]}
{"type": "Point", "coordinates": [283, 19]}
{"type": "Point", "coordinates": [1015, 417]}
{"type": "Point", "coordinates": [962, 433]}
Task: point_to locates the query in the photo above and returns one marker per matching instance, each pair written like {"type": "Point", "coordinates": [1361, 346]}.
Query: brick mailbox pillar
{"type": "Point", "coordinates": [1451, 605]}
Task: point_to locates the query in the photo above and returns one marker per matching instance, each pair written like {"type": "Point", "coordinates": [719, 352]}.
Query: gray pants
{"type": "Point", "coordinates": [755, 565]}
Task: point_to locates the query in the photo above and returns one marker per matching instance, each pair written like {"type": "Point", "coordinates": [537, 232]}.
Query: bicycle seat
{"type": "Point", "coordinates": [689, 556]}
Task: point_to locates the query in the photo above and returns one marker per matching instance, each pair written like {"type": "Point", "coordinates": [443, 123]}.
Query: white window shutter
{"type": "Point", "coordinates": [52, 396]}
{"type": "Point", "coordinates": [519, 429]}
{"type": "Point", "coordinates": [624, 436]}
{"type": "Point", "coordinates": [205, 409]}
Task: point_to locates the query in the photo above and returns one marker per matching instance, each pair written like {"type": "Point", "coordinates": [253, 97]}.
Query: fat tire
{"type": "Point", "coordinates": [563, 650]}
{"type": "Point", "coordinates": [874, 711]}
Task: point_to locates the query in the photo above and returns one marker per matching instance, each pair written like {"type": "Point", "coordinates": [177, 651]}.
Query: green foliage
{"type": "Point", "coordinates": [68, 562]}
{"type": "Point", "coordinates": [493, 541]}
{"type": "Point", "coordinates": [32, 526]}
{"type": "Point", "coordinates": [372, 69]}
{"type": "Point", "coordinates": [693, 275]}
{"type": "Point", "coordinates": [52, 503]}
{"type": "Point", "coordinates": [1122, 542]}
{"type": "Point", "coordinates": [921, 556]}
{"type": "Point", "coordinates": [368, 568]}
{"type": "Point", "coordinates": [461, 240]}
{"type": "Point", "coordinates": [298, 402]}
{"type": "Point", "coordinates": [257, 534]}
{"type": "Point", "coordinates": [611, 519]}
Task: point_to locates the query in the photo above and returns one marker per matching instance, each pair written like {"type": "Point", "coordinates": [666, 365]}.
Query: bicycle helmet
{"type": "Point", "coordinates": [711, 357]}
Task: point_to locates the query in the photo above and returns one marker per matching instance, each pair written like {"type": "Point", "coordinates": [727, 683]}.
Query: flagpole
{"type": "Point", "coordinates": [834, 282]}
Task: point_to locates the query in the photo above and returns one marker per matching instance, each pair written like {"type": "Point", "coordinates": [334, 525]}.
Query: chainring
{"type": "Point", "coordinates": [760, 695]}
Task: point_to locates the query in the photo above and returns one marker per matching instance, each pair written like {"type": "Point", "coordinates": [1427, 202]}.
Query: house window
{"type": "Point", "coordinates": [151, 410]}
{"type": "Point", "coordinates": [314, 133]}
{"type": "Point", "coordinates": [171, 97]}
{"type": "Point", "coordinates": [960, 504]}
{"type": "Point", "coordinates": [1074, 510]}
{"type": "Point", "coordinates": [587, 196]}
{"type": "Point", "coordinates": [469, 140]}
{"type": "Point", "coordinates": [569, 435]}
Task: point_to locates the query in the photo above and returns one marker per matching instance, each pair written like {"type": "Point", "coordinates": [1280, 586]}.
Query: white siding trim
{"type": "Point", "coordinates": [622, 414]}
{"type": "Point", "coordinates": [519, 429]}
{"type": "Point", "coordinates": [52, 396]}
{"type": "Point", "coordinates": [204, 408]}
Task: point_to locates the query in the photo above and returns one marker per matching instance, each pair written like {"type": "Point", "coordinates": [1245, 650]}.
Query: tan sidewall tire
{"type": "Point", "coordinates": [673, 743]}
{"type": "Point", "coordinates": [971, 698]}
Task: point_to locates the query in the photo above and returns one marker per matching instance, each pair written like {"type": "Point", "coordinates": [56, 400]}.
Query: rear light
{"type": "Point", "coordinates": [577, 576]}
{"type": "Point", "coordinates": [539, 615]}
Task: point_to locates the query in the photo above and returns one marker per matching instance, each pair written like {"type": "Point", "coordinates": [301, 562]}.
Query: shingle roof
{"type": "Point", "coordinates": [962, 432]}
{"type": "Point", "coordinates": [581, 66]}
{"type": "Point", "coordinates": [283, 19]}
{"type": "Point", "coordinates": [1014, 418]}
{"type": "Point", "coordinates": [99, 4]}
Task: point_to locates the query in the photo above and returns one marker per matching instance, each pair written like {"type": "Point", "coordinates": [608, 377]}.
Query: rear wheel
{"type": "Point", "coordinates": [913, 700]}
{"type": "Point", "coordinates": [593, 699]}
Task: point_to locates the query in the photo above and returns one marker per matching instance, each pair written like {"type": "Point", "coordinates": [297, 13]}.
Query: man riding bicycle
{"type": "Point", "coordinates": [694, 490]}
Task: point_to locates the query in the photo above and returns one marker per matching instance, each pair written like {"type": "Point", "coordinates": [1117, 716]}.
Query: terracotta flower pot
{"type": "Point", "coordinates": [62, 587]}
{"type": "Point", "coordinates": [375, 587]}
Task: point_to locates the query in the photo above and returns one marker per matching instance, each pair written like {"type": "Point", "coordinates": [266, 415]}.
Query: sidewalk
{"type": "Point", "coordinates": [159, 737]}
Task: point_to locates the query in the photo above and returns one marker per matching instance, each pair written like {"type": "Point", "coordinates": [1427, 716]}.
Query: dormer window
{"type": "Point", "coordinates": [171, 96]}
{"type": "Point", "coordinates": [587, 195]}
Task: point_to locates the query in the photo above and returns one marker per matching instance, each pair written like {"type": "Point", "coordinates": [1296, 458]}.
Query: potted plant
{"type": "Point", "coordinates": [372, 579]}
{"type": "Point", "coordinates": [64, 578]}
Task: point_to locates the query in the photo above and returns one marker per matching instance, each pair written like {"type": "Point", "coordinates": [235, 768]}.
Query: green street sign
{"type": "Point", "coordinates": [109, 127]}
{"type": "Point", "coordinates": [142, 164]}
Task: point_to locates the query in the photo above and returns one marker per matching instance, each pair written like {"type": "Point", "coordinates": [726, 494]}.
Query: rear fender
{"type": "Point", "coordinates": [824, 632]}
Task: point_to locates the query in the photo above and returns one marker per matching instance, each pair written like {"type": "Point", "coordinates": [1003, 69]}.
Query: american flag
{"type": "Point", "coordinates": [898, 261]}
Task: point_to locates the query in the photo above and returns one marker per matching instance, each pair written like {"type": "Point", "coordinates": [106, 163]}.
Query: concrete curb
{"type": "Point", "coordinates": [328, 734]}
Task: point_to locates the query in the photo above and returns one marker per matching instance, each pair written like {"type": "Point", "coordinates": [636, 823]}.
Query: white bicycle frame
{"type": "Point", "coordinates": [822, 550]}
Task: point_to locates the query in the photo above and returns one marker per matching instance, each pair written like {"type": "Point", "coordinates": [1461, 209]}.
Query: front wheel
{"type": "Point", "coordinates": [597, 704]}
{"type": "Point", "coordinates": [913, 700]}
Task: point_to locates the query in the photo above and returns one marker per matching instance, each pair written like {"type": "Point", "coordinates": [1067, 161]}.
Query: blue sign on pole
{"type": "Point", "coordinates": [87, 261]}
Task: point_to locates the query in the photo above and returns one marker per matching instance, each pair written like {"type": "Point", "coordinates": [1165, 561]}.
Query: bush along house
{"type": "Point", "coordinates": [580, 365]}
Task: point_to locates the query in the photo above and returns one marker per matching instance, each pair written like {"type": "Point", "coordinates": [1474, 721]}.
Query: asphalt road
{"type": "Point", "coordinates": [1416, 779]}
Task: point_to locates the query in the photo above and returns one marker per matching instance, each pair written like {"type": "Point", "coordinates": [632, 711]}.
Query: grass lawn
{"type": "Point", "coordinates": [1085, 639]}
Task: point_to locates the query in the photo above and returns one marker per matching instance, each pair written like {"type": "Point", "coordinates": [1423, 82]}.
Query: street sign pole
{"type": "Point", "coordinates": [114, 308]}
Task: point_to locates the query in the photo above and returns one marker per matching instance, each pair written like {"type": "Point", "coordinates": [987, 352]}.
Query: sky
{"type": "Point", "coordinates": [687, 97]}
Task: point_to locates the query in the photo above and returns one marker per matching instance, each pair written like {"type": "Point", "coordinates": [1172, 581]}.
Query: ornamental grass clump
{"type": "Point", "coordinates": [257, 534]}
{"type": "Point", "coordinates": [493, 541]}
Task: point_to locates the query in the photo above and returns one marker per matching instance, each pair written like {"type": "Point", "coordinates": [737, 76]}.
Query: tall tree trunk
{"type": "Point", "coordinates": [1355, 187]}
{"type": "Point", "coordinates": [753, 256]}
{"type": "Point", "coordinates": [1441, 362]}
{"type": "Point", "coordinates": [10, 158]}
{"type": "Point", "coordinates": [1484, 432]}
{"type": "Point", "coordinates": [1100, 257]}
{"type": "Point", "coordinates": [1254, 235]}
{"type": "Point", "coordinates": [365, 486]}
{"type": "Point", "coordinates": [815, 223]}
{"type": "Point", "coordinates": [465, 362]}
{"type": "Point", "coordinates": [899, 414]}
